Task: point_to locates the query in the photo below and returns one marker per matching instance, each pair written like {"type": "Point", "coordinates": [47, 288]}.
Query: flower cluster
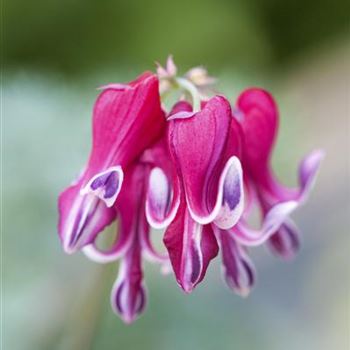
{"type": "Point", "coordinates": [195, 171]}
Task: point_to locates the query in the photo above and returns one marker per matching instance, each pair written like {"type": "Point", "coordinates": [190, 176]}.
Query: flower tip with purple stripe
{"type": "Point", "coordinates": [105, 185]}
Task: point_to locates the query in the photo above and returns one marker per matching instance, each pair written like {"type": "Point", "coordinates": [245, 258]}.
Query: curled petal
{"type": "Point", "coordinates": [277, 203]}
{"type": "Point", "coordinates": [238, 269]}
{"type": "Point", "coordinates": [285, 243]}
{"type": "Point", "coordinates": [105, 185]}
{"type": "Point", "coordinates": [201, 171]}
{"type": "Point", "coordinates": [119, 247]}
{"type": "Point", "coordinates": [273, 220]}
{"type": "Point", "coordinates": [273, 191]}
{"type": "Point", "coordinates": [230, 194]}
{"type": "Point", "coordinates": [81, 218]}
{"type": "Point", "coordinates": [191, 246]}
{"type": "Point", "coordinates": [120, 117]}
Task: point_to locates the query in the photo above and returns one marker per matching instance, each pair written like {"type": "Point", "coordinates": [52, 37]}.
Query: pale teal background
{"type": "Point", "coordinates": [56, 53]}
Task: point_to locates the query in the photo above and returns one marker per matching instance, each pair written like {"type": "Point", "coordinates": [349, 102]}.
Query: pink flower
{"type": "Point", "coordinates": [196, 174]}
{"type": "Point", "coordinates": [121, 115]}
{"type": "Point", "coordinates": [257, 114]}
{"type": "Point", "coordinates": [211, 187]}
{"type": "Point", "coordinates": [132, 244]}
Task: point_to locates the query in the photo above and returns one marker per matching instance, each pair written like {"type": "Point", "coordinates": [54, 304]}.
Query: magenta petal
{"type": "Point", "coordinates": [128, 294]}
{"type": "Point", "coordinates": [273, 220]}
{"type": "Point", "coordinates": [200, 171]}
{"type": "Point", "coordinates": [285, 243]}
{"type": "Point", "coordinates": [180, 107]}
{"type": "Point", "coordinates": [258, 117]}
{"type": "Point", "coordinates": [238, 269]}
{"type": "Point", "coordinates": [120, 117]}
{"type": "Point", "coordinates": [191, 246]}
{"type": "Point", "coordinates": [119, 120]}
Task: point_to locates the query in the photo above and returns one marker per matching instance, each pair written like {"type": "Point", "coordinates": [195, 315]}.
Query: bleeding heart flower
{"type": "Point", "coordinates": [211, 187]}
{"type": "Point", "coordinates": [132, 243]}
{"type": "Point", "coordinates": [257, 114]}
{"type": "Point", "coordinates": [121, 115]}
{"type": "Point", "coordinates": [182, 173]}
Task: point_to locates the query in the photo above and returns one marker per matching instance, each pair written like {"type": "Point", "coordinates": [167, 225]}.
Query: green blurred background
{"type": "Point", "coordinates": [56, 52]}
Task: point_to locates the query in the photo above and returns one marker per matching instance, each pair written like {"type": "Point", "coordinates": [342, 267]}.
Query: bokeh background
{"type": "Point", "coordinates": [55, 53]}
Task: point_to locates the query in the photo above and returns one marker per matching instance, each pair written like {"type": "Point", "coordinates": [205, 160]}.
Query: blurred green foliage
{"type": "Point", "coordinates": [74, 36]}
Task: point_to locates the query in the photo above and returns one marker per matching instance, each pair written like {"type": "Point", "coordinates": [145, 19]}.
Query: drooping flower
{"type": "Point", "coordinates": [211, 187]}
{"type": "Point", "coordinates": [121, 115]}
{"type": "Point", "coordinates": [257, 114]}
{"type": "Point", "coordinates": [131, 246]}
{"type": "Point", "coordinates": [183, 174]}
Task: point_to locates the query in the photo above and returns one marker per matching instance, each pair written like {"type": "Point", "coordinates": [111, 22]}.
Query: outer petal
{"type": "Point", "coordinates": [119, 119]}
{"type": "Point", "coordinates": [197, 145]}
{"type": "Point", "coordinates": [238, 270]}
{"type": "Point", "coordinates": [191, 246]}
{"type": "Point", "coordinates": [258, 116]}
